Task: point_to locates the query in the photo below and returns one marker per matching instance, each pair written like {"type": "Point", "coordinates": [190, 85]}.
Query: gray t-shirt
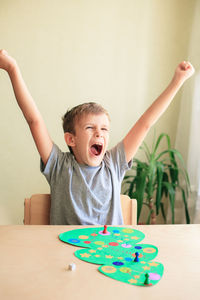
{"type": "Point", "coordinates": [84, 195]}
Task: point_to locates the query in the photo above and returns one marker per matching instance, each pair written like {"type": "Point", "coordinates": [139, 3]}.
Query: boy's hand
{"type": "Point", "coordinates": [184, 71]}
{"type": "Point", "coordinates": [6, 61]}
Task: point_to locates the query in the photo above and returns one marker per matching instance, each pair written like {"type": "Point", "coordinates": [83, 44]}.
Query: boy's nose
{"type": "Point", "coordinates": [98, 133]}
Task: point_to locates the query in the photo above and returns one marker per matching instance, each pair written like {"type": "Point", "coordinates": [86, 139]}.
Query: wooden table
{"type": "Point", "coordinates": [34, 266]}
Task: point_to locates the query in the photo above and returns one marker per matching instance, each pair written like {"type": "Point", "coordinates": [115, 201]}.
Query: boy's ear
{"type": "Point", "coordinates": [69, 139]}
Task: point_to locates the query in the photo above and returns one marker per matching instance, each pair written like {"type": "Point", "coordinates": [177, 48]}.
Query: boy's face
{"type": "Point", "coordinates": [90, 141]}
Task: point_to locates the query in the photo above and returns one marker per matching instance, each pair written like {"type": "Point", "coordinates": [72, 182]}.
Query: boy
{"type": "Point", "coordinates": [85, 182]}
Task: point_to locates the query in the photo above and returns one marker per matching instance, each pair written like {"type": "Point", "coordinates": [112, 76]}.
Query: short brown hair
{"type": "Point", "coordinates": [76, 112]}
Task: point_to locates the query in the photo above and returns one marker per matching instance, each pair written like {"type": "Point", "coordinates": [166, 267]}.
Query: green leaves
{"type": "Point", "coordinates": [160, 176]}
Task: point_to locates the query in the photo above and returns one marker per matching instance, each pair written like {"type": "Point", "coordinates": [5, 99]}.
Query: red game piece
{"type": "Point", "coordinates": [105, 229]}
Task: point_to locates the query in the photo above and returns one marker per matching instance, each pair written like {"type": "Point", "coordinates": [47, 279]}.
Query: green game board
{"type": "Point", "coordinates": [116, 252]}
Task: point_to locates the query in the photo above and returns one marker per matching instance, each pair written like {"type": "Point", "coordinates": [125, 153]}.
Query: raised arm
{"type": "Point", "coordinates": [136, 135]}
{"type": "Point", "coordinates": [27, 105]}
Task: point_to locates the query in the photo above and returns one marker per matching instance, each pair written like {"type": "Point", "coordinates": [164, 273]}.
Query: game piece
{"type": "Point", "coordinates": [72, 267]}
{"type": "Point", "coordinates": [105, 229]}
{"type": "Point", "coordinates": [136, 257]}
{"type": "Point", "coordinates": [147, 280]}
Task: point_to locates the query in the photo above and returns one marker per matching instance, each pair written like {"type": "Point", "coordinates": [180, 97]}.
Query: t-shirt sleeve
{"type": "Point", "coordinates": [53, 163]}
{"type": "Point", "coordinates": [116, 157]}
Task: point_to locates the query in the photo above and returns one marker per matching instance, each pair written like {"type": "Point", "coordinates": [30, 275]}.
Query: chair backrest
{"type": "Point", "coordinates": [37, 210]}
{"type": "Point", "coordinates": [129, 210]}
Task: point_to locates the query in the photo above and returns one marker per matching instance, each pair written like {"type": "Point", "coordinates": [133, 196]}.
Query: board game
{"type": "Point", "coordinates": [119, 252]}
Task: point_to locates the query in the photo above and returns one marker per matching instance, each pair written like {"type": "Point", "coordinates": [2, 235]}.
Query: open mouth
{"type": "Point", "coordinates": [96, 149]}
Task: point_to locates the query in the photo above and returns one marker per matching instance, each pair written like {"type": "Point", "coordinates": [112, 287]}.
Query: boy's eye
{"type": "Point", "coordinates": [89, 127]}
{"type": "Point", "coordinates": [106, 129]}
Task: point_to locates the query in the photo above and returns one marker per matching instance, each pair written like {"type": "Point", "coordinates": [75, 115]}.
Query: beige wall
{"type": "Point", "coordinates": [121, 53]}
{"type": "Point", "coordinates": [188, 127]}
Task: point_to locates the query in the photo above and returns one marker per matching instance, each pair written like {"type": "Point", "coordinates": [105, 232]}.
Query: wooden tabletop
{"type": "Point", "coordinates": [34, 265]}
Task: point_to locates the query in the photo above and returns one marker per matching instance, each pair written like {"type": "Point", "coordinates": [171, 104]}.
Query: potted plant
{"type": "Point", "coordinates": [156, 179]}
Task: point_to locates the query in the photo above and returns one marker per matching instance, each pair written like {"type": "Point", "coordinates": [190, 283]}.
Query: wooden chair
{"type": "Point", "coordinates": [129, 210]}
{"type": "Point", "coordinates": [37, 210]}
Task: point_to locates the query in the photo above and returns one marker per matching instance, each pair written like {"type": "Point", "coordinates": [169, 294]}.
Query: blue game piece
{"type": "Point", "coordinates": [136, 257]}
